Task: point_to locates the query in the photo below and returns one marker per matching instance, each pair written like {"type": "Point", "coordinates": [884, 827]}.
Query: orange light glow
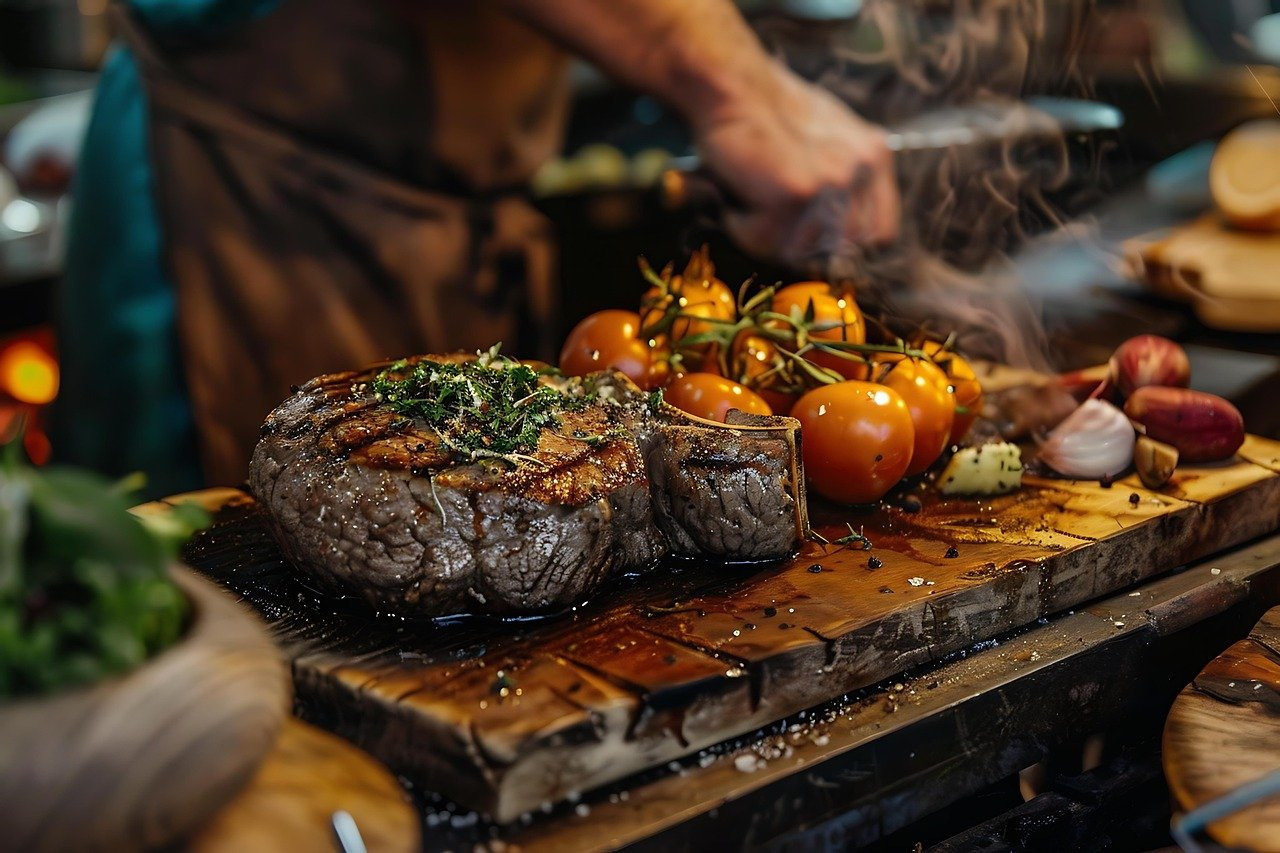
{"type": "Point", "coordinates": [28, 373]}
{"type": "Point", "coordinates": [37, 446]}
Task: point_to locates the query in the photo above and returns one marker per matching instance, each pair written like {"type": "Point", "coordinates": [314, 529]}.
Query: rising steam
{"type": "Point", "coordinates": [964, 206]}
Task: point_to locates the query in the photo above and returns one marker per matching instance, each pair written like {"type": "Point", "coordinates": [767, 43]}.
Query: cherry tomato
{"type": "Point", "coordinates": [659, 373]}
{"type": "Point", "coordinates": [781, 402]}
{"type": "Point", "coordinates": [709, 396]}
{"type": "Point", "coordinates": [711, 299]}
{"type": "Point", "coordinates": [964, 387]}
{"type": "Point", "coordinates": [752, 356]}
{"type": "Point", "coordinates": [754, 360]}
{"type": "Point", "coordinates": [711, 290]}
{"type": "Point", "coordinates": [707, 361]}
{"type": "Point", "coordinates": [837, 311]}
{"type": "Point", "coordinates": [608, 339]}
{"type": "Point", "coordinates": [857, 439]}
{"type": "Point", "coordinates": [926, 390]}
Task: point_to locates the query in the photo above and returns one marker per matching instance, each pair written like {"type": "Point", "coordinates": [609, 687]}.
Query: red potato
{"type": "Point", "coordinates": [1201, 427]}
{"type": "Point", "coordinates": [1148, 360]}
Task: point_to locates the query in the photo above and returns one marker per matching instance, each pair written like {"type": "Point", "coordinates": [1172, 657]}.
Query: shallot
{"type": "Point", "coordinates": [1202, 427]}
{"type": "Point", "coordinates": [1148, 360]}
{"type": "Point", "coordinates": [1095, 441]}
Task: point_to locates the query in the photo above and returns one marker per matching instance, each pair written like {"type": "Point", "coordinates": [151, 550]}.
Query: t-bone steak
{"type": "Point", "coordinates": [375, 486]}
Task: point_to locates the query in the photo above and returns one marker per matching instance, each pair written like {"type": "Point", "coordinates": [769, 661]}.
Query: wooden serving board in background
{"type": "Point", "coordinates": [1228, 276]}
{"type": "Point", "coordinates": [1223, 732]}
{"type": "Point", "coordinates": [290, 801]}
{"type": "Point", "coordinates": [506, 716]}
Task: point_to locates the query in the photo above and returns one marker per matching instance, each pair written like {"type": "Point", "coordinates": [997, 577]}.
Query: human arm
{"type": "Point", "coordinates": [810, 175]}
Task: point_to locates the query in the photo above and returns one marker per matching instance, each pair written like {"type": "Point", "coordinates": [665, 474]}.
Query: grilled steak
{"type": "Point", "coordinates": [378, 488]}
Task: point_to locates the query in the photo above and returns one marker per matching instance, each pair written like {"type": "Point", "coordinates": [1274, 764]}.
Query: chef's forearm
{"type": "Point", "coordinates": [699, 56]}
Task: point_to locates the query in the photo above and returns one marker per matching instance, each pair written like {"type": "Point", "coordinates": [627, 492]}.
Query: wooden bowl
{"type": "Point", "coordinates": [143, 759]}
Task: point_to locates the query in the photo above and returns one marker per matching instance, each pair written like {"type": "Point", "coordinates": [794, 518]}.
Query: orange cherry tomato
{"type": "Point", "coordinates": [709, 396]}
{"type": "Point", "coordinates": [660, 372]}
{"type": "Point", "coordinates": [838, 312]}
{"type": "Point", "coordinates": [964, 387]}
{"type": "Point", "coordinates": [781, 402]}
{"type": "Point", "coordinates": [857, 439]}
{"type": "Point", "coordinates": [711, 299]}
{"type": "Point", "coordinates": [707, 361]}
{"type": "Point", "coordinates": [753, 362]}
{"type": "Point", "coordinates": [711, 290]}
{"type": "Point", "coordinates": [608, 339]}
{"type": "Point", "coordinates": [805, 288]}
{"type": "Point", "coordinates": [753, 356]}
{"type": "Point", "coordinates": [927, 392]}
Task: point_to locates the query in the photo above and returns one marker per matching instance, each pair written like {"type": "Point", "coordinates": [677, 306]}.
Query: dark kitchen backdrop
{"type": "Point", "coordinates": [1154, 83]}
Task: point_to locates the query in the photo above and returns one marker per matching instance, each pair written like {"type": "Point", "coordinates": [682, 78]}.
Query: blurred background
{"type": "Point", "coordinates": [1179, 72]}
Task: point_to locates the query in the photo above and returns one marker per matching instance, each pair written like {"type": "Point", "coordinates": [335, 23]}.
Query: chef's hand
{"type": "Point", "coordinates": [810, 177]}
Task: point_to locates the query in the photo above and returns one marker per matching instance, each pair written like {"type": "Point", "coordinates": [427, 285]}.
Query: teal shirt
{"type": "Point", "coordinates": [123, 406]}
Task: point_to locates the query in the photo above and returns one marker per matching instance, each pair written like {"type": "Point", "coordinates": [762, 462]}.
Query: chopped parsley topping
{"type": "Point", "coordinates": [492, 407]}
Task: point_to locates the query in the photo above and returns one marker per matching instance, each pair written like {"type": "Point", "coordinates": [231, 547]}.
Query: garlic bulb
{"type": "Point", "coordinates": [1095, 441]}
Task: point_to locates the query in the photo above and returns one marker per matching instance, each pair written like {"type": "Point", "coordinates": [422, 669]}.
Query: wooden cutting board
{"type": "Point", "coordinates": [290, 802]}
{"type": "Point", "coordinates": [1224, 732]}
{"type": "Point", "coordinates": [1228, 276]}
{"type": "Point", "coordinates": [507, 716]}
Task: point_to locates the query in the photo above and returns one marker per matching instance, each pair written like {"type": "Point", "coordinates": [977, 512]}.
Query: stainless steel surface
{"type": "Point", "coordinates": [48, 87]}
{"type": "Point", "coordinates": [33, 229]}
{"type": "Point", "coordinates": [32, 239]}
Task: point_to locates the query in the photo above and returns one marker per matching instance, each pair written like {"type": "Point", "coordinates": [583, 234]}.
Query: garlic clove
{"type": "Point", "coordinates": [1155, 461]}
{"type": "Point", "coordinates": [1095, 441]}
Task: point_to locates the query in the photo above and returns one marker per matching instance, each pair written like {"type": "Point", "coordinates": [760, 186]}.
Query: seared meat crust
{"type": "Point", "coordinates": [374, 504]}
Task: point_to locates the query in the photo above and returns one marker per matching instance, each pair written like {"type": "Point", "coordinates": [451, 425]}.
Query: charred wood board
{"type": "Point", "coordinates": [850, 772]}
{"type": "Point", "coordinates": [1223, 732]}
{"type": "Point", "coordinates": [507, 716]}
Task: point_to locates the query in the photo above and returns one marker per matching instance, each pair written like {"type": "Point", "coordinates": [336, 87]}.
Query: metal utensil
{"type": "Point", "coordinates": [1185, 827]}
{"type": "Point", "coordinates": [346, 833]}
{"type": "Point", "coordinates": [687, 184]}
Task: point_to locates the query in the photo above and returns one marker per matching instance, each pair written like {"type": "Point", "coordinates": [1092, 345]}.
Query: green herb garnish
{"type": "Point", "coordinates": [492, 407]}
{"type": "Point", "coordinates": [856, 538]}
{"type": "Point", "coordinates": [84, 590]}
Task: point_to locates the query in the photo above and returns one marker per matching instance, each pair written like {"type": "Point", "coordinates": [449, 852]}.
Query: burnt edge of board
{"type": "Point", "coordinates": [341, 656]}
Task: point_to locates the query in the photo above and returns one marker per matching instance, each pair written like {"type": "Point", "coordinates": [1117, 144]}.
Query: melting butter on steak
{"type": "Point", "coordinates": [418, 519]}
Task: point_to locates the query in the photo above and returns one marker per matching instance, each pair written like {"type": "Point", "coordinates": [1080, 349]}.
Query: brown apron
{"type": "Point", "coordinates": [293, 249]}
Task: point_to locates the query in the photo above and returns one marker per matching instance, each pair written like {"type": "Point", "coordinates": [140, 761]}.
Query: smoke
{"type": "Point", "coordinates": [914, 64]}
